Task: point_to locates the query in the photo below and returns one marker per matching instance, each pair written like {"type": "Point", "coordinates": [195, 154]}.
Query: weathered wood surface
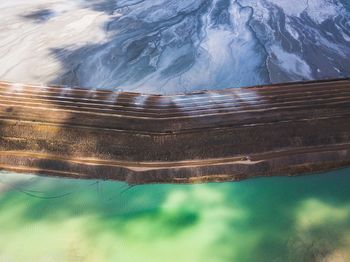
{"type": "Point", "coordinates": [225, 135]}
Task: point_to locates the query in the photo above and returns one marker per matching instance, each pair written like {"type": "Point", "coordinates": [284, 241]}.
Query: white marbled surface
{"type": "Point", "coordinates": [173, 46]}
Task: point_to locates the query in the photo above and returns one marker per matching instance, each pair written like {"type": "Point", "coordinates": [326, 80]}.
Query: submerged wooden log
{"type": "Point", "coordinates": [223, 135]}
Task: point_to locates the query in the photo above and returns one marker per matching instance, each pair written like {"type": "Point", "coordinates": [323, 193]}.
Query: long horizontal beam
{"type": "Point", "coordinates": [221, 135]}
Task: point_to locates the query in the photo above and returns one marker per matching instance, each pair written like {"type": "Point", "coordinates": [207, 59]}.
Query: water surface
{"type": "Point", "coordinates": [269, 219]}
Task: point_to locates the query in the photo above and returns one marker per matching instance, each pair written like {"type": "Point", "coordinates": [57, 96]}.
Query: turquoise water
{"type": "Point", "coordinates": [268, 219]}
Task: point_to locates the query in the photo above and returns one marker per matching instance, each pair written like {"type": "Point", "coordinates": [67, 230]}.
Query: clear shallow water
{"type": "Point", "coordinates": [269, 219]}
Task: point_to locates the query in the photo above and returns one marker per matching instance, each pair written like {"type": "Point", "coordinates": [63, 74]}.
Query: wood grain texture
{"type": "Point", "coordinates": [225, 135]}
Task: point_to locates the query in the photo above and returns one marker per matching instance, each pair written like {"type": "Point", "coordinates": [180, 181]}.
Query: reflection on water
{"type": "Point", "coordinates": [269, 219]}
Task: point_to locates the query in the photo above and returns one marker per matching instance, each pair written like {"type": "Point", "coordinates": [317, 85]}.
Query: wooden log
{"type": "Point", "coordinates": [218, 135]}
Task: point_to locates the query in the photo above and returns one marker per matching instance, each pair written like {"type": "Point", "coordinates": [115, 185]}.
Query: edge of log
{"type": "Point", "coordinates": [216, 135]}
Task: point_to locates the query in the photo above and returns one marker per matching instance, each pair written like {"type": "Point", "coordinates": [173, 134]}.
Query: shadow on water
{"type": "Point", "coordinates": [271, 219]}
{"type": "Point", "coordinates": [134, 47]}
{"type": "Point", "coordinates": [40, 16]}
{"type": "Point", "coordinates": [147, 46]}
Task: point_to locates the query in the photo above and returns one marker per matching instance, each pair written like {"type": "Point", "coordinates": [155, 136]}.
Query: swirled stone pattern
{"type": "Point", "coordinates": [173, 46]}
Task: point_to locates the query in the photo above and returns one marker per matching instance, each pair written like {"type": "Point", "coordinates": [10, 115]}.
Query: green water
{"type": "Point", "coordinates": [269, 219]}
